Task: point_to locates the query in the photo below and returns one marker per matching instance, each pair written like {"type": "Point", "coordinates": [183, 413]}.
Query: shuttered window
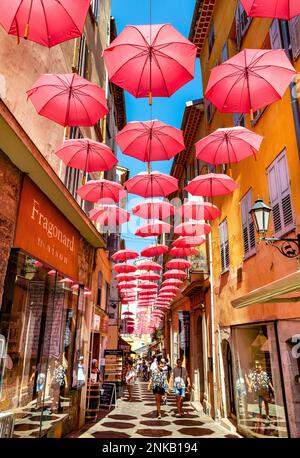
{"type": "Point", "coordinates": [224, 246]}
{"type": "Point", "coordinates": [211, 37]}
{"type": "Point", "coordinates": [248, 226]}
{"type": "Point", "coordinates": [73, 176]}
{"type": "Point", "coordinates": [280, 196]}
{"type": "Point", "coordinates": [83, 58]}
{"type": "Point", "coordinates": [239, 119]}
{"type": "Point", "coordinates": [294, 28]}
{"type": "Point", "coordinates": [242, 24]}
{"type": "Point", "coordinates": [95, 5]}
{"type": "Point", "coordinates": [225, 54]}
{"type": "Point", "coordinates": [275, 35]}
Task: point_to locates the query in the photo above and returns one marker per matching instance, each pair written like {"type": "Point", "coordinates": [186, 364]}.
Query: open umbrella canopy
{"type": "Point", "coordinates": [211, 184]}
{"type": "Point", "coordinates": [126, 285]}
{"type": "Point", "coordinates": [250, 80]}
{"type": "Point", "coordinates": [183, 251]}
{"type": "Point", "coordinates": [172, 282]}
{"type": "Point", "coordinates": [47, 22]}
{"type": "Point", "coordinates": [175, 273]}
{"type": "Point", "coordinates": [154, 184]}
{"type": "Point", "coordinates": [124, 268]}
{"type": "Point", "coordinates": [198, 211]}
{"type": "Point", "coordinates": [148, 285]}
{"type": "Point", "coordinates": [186, 242]}
{"type": "Point", "coordinates": [69, 100]}
{"type": "Point", "coordinates": [178, 263]}
{"type": "Point", "coordinates": [150, 60]}
{"type": "Point", "coordinates": [154, 250]}
{"type": "Point", "coordinates": [192, 229]}
{"type": "Point", "coordinates": [281, 9]}
{"type": "Point", "coordinates": [109, 215]}
{"type": "Point", "coordinates": [158, 209]}
{"type": "Point", "coordinates": [104, 190]}
{"type": "Point", "coordinates": [150, 141]}
{"type": "Point", "coordinates": [127, 313]}
{"type": "Point", "coordinates": [124, 255]}
{"type": "Point", "coordinates": [87, 155]}
{"type": "Point", "coordinates": [149, 265]}
{"type": "Point", "coordinates": [169, 289]}
{"type": "Point", "coordinates": [153, 229]}
{"type": "Point", "coordinates": [125, 277]}
{"type": "Point", "coordinates": [150, 276]}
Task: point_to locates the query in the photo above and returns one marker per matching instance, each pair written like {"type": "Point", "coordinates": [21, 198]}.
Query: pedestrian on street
{"type": "Point", "coordinates": [181, 382]}
{"type": "Point", "coordinates": [167, 371]}
{"type": "Point", "coordinates": [130, 379]}
{"type": "Point", "coordinates": [159, 383]}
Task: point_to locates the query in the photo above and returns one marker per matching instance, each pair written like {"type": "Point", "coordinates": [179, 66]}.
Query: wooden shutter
{"type": "Point", "coordinates": [275, 35]}
{"type": "Point", "coordinates": [248, 225]}
{"type": "Point", "coordinates": [238, 22]}
{"type": "Point", "coordinates": [224, 246]}
{"type": "Point", "coordinates": [225, 54]}
{"type": "Point", "coordinates": [294, 27]}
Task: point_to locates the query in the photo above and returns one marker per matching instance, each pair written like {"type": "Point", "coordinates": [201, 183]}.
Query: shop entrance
{"type": "Point", "coordinates": [228, 373]}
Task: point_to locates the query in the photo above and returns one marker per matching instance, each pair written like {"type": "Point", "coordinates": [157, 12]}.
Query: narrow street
{"type": "Point", "coordinates": [137, 419]}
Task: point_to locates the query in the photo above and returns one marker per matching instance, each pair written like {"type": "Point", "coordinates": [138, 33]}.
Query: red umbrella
{"type": "Point", "coordinates": [47, 22]}
{"type": "Point", "coordinates": [228, 146]}
{"type": "Point", "coordinates": [169, 289]}
{"type": "Point", "coordinates": [95, 190]}
{"type": "Point", "coordinates": [150, 141]}
{"type": "Point", "coordinates": [69, 100]}
{"type": "Point", "coordinates": [124, 268]}
{"type": "Point", "coordinates": [148, 285]}
{"type": "Point", "coordinates": [186, 242]}
{"type": "Point", "coordinates": [149, 265]}
{"type": "Point", "coordinates": [151, 276]}
{"type": "Point", "coordinates": [159, 209]}
{"type": "Point", "coordinates": [87, 155]}
{"type": "Point", "coordinates": [167, 295]}
{"type": "Point", "coordinates": [183, 251]}
{"type": "Point", "coordinates": [250, 80]}
{"type": "Point", "coordinates": [109, 215]}
{"type": "Point", "coordinates": [148, 292]}
{"type": "Point", "coordinates": [150, 60]}
{"type": "Point", "coordinates": [281, 9]}
{"type": "Point", "coordinates": [124, 255]}
{"type": "Point", "coordinates": [172, 282]}
{"type": "Point", "coordinates": [154, 250]}
{"type": "Point", "coordinates": [125, 277]}
{"type": "Point", "coordinates": [154, 184]}
{"type": "Point", "coordinates": [153, 229]}
{"type": "Point", "coordinates": [192, 229]}
{"type": "Point", "coordinates": [211, 184]}
{"type": "Point", "coordinates": [126, 285]}
{"type": "Point", "coordinates": [128, 313]}
{"type": "Point", "coordinates": [175, 273]}
{"type": "Point", "coordinates": [198, 211]}
{"type": "Point", "coordinates": [178, 263]}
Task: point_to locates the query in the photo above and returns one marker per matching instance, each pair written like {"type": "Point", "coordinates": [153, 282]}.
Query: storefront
{"type": "Point", "coordinates": [42, 319]}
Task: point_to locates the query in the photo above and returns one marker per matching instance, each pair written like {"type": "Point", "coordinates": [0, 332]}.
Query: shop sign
{"type": "Point", "coordinates": [43, 232]}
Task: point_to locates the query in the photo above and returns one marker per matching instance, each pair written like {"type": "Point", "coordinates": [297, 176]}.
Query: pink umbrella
{"type": "Point", "coordinates": [124, 268]}
{"type": "Point", "coordinates": [47, 22]}
{"type": "Point", "coordinates": [183, 251]}
{"type": "Point", "coordinates": [124, 255]}
{"type": "Point", "coordinates": [250, 80]}
{"type": "Point", "coordinates": [126, 285]}
{"type": "Point", "coordinates": [167, 295]}
{"type": "Point", "coordinates": [228, 146]}
{"type": "Point", "coordinates": [186, 242]}
{"type": "Point", "coordinates": [150, 60]}
{"type": "Point", "coordinates": [169, 289]}
{"type": "Point", "coordinates": [109, 215]}
{"type": "Point", "coordinates": [175, 273]}
{"type": "Point", "coordinates": [87, 155]}
{"type": "Point", "coordinates": [172, 282]}
{"type": "Point", "coordinates": [125, 277]}
{"type": "Point", "coordinates": [211, 184]}
{"type": "Point", "coordinates": [69, 100]}
{"type": "Point", "coordinates": [159, 209]}
{"type": "Point", "coordinates": [281, 9]}
{"type": "Point", "coordinates": [178, 263]}
{"type": "Point", "coordinates": [150, 141]}
{"type": "Point", "coordinates": [154, 184]}
{"type": "Point", "coordinates": [95, 190]}
{"type": "Point", "coordinates": [148, 292]}
{"type": "Point", "coordinates": [153, 229]}
{"type": "Point", "coordinates": [198, 211]}
{"type": "Point", "coordinates": [154, 250]}
{"type": "Point", "coordinates": [128, 313]}
{"type": "Point", "coordinates": [192, 229]}
{"type": "Point", "coordinates": [148, 285]}
{"type": "Point", "coordinates": [150, 276]}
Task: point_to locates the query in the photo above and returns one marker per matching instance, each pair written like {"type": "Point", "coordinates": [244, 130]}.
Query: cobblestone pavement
{"type": "Point", "coordinates": [138, 419]}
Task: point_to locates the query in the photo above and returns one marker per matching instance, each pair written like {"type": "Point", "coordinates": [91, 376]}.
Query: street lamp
{"type": "Point", "coordinates": [260, 213]}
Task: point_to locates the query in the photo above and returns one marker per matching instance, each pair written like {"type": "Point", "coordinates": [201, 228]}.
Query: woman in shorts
{"type": "Point", "coordinates": [158, 382]}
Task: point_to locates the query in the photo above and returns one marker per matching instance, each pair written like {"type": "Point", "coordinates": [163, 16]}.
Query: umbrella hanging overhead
{"type": "Point", "coordinates": [192, 229]}
{"type": "Point", "coordinates": [124, 255]}
{"type": "Point", "coordinates": [150, 141]}
{"type": "Point", "coordinates": [172, 282]}
{"type": "Point", "coordinates": [183, 251]}
{"type": "Point", "coordinates": [281, 9]}
{"type": "Point", "coordinates": [126, 285]}
{"type": "Point", "coordinates": [47, 22]}
{"type": "Point", "coordinates": [157, 209]}
{"type": "Point", "coordinates": [124, 268]}
{"type": "Point", "coordinates": [128, 313]}
{"type": "Point", "coordinates": [198, 211]}
{"type": "Point", "coordinates": [169, 289]}
{"type": "Point", "coordinates": [154, 184]}
{"type": "Point", "coordinates": [188, 242]}
{"type": "Point", "coordinates": [151, 276]}
{"type": "Point", "coordinates": [228, 146]}
{"type": "Point", "coordinates": [178, 263]}
{"type": "Point", "coordinates": [109, 215]}
{"type": "Point", "coordinates": [250, 80]}
{"type": "Point", "coordinates": [101, 190]}
{"type": "Point", "coordinates": [125, 277]}
{"type": "Point", "coordinates": [211, 184]}
{"type": "Point", "coordinates": [69, 100]}
{"type": "Point", "coordinates": [150, 60]}
{"type": "Point", "coordinates": [149, 265]}
{"type": "Point", "coordinates": [148, 285]}
{"type": "Point", "coordinates": [175, 273]}
{"type": "Point", "coordinates": [153, 229]}
{"type": "Point", "coordinates": [87, 155]}
{"type": "Point", "coordinates": [154, 250]}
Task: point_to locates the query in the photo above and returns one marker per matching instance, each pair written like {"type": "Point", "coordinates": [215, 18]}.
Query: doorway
{"type": "Point", "coordinates": [200, 357]}
{"type": "Point", "coordinates": [229, 383]}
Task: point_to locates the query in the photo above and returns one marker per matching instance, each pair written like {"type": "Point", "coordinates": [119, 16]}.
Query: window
{"type": "Point", "coordinates": [224, 246]}
{"type": "Point", "coordinates": [209, 111]}
{"type": "Point", "coordinates": [280, 196]}
{"type": "Point", "coordinates": [225, 54]}
{"type": "Point", "coordinates": [99, 289]}
{"type": "Point", "coordinates": [211, 37]}
{"type": "Point", "coordinates": [239, 119]}
{"type": "Point", "coordinates": [275, 35]}
{"type": "Point", "coordinates": [83, 59]}
{"type": "Point", "coordinates": [73, 176]}
{"type": "Point", "coordinates": [294, 28]}
{"type": "Point", "coordinates": [242, 24]}
{"type": "Point", "coordinates": [107, 296]}
{"type": "Point", "coordinates": [95, 5]}
{"type": "Point", "coordinates": [248, 226]}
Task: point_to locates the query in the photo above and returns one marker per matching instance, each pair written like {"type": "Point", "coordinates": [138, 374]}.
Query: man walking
{"type": "Point", "coordinates": [180, 381]}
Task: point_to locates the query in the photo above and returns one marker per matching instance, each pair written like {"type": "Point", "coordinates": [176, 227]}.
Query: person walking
{"type": "Point", "coordinates": [159, 384]}
{"type": "Point", "coordinates": [167, 371]}
{"type": "Point", "coordinates": [180, 381]}
{"type": "Point", "coordinates": [130, 379]}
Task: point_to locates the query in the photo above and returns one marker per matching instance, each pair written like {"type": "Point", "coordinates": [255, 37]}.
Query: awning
{"type": "Point", "coordinates": [282, 290]}
{"type": "Point", "coordinates": [123, 345]}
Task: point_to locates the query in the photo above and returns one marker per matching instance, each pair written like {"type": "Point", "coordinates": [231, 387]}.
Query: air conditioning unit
{"type": "Point", "coordinates": [7, 423]}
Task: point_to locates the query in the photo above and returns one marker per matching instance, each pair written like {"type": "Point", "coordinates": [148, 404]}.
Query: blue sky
{"type": "Point", "coordinates": [179, 13]}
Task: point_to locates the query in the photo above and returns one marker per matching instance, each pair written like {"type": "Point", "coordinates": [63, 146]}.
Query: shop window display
{"type": "Point", "coordinates": [258, 385]}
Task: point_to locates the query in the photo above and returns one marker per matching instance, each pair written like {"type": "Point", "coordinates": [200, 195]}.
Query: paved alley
{"type": "Point", "coordinates": [138, 419]}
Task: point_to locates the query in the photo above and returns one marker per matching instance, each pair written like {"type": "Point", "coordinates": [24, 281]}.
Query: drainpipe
{"type": "Point", "coordinates": [295, 106]}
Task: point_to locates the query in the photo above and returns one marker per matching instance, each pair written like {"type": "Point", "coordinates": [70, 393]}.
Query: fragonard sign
{"type": "Point", "coordinates": [43, 232]}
